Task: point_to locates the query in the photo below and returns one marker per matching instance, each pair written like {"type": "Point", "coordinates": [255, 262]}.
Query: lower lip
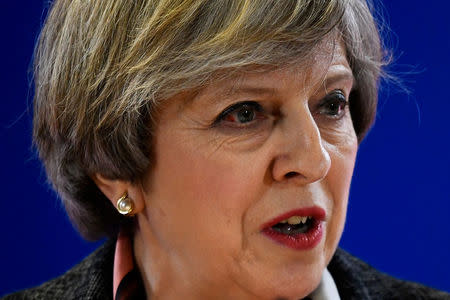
{"type": "Point", "coordinates": [299, 241]}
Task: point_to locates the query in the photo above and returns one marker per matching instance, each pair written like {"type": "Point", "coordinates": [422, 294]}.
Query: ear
{"type": "Point", "coordinates": [114, 189]}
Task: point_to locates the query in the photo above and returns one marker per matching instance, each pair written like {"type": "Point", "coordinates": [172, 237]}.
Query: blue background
{"type": "Point", "coordinates": [400, 199]}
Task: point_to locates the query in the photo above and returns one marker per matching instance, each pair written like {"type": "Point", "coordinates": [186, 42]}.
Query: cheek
{"type": "Point", "coordinates": [341, 171]}
{"type": "Point", "coordinates": [339, 179]}
{"type": "Point", "coordinates": [342, 145]}
{"type": "Point", "coordinates": [202, 199]}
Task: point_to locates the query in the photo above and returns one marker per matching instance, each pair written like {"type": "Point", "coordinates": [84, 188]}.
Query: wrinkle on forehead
{"type": "Point", "coordinates": [309, 71]}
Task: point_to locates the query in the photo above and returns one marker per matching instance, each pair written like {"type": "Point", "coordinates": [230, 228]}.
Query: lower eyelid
{"type": "Point", "coordinates": [258, 117]}
{"type": "Point", "coordinates": [230, 130]}
{"type": "Point", "coordinates": [236, 107]}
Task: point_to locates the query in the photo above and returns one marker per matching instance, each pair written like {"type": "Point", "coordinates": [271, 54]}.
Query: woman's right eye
{"type": "Point", "coordinates": [240, 114]}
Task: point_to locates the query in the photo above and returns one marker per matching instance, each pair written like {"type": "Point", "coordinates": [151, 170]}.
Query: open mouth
{"type": "Point", "coordinates": [299, 229]}
{"type": "Point", "coordinates": [294, 225]}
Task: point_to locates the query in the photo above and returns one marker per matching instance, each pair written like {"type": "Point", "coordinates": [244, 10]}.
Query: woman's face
{"type": "Point", "coordinates": [237, 159]}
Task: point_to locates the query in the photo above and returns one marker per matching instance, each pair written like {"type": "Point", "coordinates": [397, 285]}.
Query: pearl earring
{"type": "Point", "coordinates": [125, 205]}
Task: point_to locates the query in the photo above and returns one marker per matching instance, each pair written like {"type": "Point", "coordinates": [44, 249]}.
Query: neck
{"type": "Point", "coordinates": [165, 275]}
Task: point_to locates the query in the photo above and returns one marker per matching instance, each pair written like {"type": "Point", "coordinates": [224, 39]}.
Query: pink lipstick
{"type": "Point", "coordinates": [299, 229]}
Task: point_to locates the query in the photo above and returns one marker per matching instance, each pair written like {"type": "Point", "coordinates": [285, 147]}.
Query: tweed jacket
{"type": "Point", "coordinates": [92, 280]}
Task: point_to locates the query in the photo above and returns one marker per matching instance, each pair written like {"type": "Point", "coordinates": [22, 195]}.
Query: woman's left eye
{"type": "Point", "coordinates": [240, 114]}
{"type": "Point", "coordinates": [333, 104]}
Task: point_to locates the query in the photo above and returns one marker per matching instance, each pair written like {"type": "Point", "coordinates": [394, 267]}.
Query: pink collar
{"type": "Point", "coordinates": [123, 261]}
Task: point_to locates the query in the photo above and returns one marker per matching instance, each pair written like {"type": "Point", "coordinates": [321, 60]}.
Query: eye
{"type": "Point", "coordinates": [333, 104]}
{"type": "Point", "coordinates": [240, 114]}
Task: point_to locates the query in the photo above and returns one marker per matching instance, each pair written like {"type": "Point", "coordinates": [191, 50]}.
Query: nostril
{"type": "Point", "coordinates": [290, 175]}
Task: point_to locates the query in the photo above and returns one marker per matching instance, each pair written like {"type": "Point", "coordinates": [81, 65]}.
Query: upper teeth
{"type": "Point", "coordinates": [295, 220]}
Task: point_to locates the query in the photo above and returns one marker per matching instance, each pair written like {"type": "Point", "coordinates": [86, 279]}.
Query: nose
{"type": "Point", "coordinates": [301, 156]}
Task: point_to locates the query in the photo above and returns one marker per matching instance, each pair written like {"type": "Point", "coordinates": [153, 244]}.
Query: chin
{"type": "Point", "coordinates": [293, 287]}
{"type": "Point", "coordinates": [294, 280]}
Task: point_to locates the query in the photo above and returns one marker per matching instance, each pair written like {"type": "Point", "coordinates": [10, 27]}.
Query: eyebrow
{"type": "Point", "coordinates": [234, 88]}
{"type": "Point", "coordinates": [341, 76]}
{"type": "Point", "coordinates": [246, 89]}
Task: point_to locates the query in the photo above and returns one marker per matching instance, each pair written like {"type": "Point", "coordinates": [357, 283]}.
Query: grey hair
{"type": "Point", "coordinates": [102, 69]}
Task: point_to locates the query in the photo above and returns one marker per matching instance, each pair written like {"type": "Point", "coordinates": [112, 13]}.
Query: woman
{"type": "Point", "coordinates": [213, 142]}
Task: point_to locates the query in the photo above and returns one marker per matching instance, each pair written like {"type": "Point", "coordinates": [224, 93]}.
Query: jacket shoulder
{"type": "Point", "coordinates": [356, 279]}
{"type": "Point", "coordinates": [90, 279]}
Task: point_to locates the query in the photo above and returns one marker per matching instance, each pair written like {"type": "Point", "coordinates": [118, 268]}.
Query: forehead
{"type": "Point", "coordinates": [326, 60]}
{"type": "Point", "coordinates": [326, 64]}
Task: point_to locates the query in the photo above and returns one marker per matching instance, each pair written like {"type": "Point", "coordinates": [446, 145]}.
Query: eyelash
{"type": "Point", "coordinates": [245, 106]}
{"type": "Point", "coordinates": [336, 97]}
